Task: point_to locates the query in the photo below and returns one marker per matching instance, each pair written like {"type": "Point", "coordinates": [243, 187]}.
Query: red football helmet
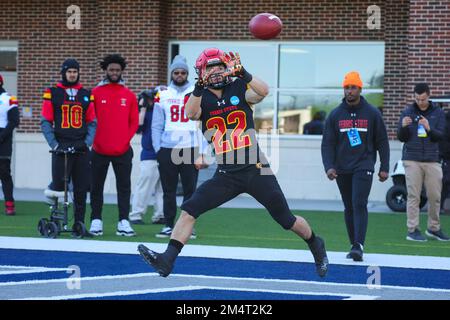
{"type": "Point", "coordinates": [211, 57]}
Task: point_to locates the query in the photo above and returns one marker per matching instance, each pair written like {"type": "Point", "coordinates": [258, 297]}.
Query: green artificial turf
{"type": "Point", "coordinates": [250, 228]}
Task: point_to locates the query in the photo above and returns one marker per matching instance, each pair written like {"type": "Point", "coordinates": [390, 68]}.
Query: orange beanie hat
{"type": "Point", "coordinates": [352, 78]}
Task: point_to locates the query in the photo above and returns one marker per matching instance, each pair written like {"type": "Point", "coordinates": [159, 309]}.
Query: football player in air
{"type": "Point", "coordinates": [222, 99]}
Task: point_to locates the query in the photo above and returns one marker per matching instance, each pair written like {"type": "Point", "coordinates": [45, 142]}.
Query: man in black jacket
{"type": "Point", "coordinates": [9, 119]}
{"type": "Point", "coordinates": [421, 127]}
{"type": "Point", "coordinates": [354, 132]}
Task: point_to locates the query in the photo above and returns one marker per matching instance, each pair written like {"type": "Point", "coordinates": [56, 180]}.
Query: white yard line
{"type": "Point", "coordinates": [192, 250]}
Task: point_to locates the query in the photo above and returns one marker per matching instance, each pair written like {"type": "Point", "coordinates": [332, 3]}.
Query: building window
{"type": "Point", "coordinates": [8, 65]}
{"type": "Point", "coordinates": [304, 77]}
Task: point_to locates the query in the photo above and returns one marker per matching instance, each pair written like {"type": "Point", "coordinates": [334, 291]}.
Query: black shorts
{"type": "Point", "coordinates": [224, 186]}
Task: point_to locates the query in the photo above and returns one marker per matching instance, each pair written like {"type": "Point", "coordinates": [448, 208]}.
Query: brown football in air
{"type": "Point", "coordinates": [265, 26]}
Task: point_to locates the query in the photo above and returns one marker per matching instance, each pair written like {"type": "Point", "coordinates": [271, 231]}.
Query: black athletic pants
{"type": "Point", "coordinates": [5, 177]}
{"type": "Point", "coordinates": [355, 188]}
{"type": "Point", "coordinates": [224, 186]}
{"type": "Point", "coordinates": [77, 172]}
{"type": "Point", "coordinates": [170, 167]}
{"type": "Point", "coordinates": [122, 169]}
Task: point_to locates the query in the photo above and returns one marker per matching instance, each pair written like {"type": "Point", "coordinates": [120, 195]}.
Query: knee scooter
{"type": "Point", "coordinates": [59, 220]}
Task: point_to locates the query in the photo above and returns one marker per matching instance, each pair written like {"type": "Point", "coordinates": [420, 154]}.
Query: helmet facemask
{"type": "Point", "coordinates": [215, 76]}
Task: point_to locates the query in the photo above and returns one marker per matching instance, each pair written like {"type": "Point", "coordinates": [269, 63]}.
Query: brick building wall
{"type": "Point", "coordinates": [429, 45]}
{"type": "Point", "coordinates": [416, 34]}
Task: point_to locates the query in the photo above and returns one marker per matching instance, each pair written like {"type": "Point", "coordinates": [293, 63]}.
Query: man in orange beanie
{"type": "Point", "coordinates": [354, 132]}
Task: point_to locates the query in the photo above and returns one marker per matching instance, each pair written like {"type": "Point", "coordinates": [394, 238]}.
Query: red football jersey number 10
{"type": "Point", "coordinates": [72, 117]}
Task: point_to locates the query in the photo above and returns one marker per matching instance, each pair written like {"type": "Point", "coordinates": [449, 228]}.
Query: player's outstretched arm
{"type": "Point", "coordinates": [192, 107]}
{"type": "Point", "coordinates": [257, 92]}
{"type": "Point", "coordinates": [258, 88]}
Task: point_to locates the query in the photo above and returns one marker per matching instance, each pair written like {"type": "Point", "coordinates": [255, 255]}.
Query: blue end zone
{"type": "Point", "coordinates": [96, 264]}
{"type": "Point", "coordinates": [212, 294]}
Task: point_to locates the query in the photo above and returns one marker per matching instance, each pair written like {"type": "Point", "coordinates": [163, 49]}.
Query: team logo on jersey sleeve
{"type": "Point", "coordinates": [123, 102]}
{"type": "Point", "coordinates": [234, 100]}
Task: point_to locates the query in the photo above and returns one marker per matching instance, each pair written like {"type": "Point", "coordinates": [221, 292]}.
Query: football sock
{"type": "Point", "coordinates": [311, 239]}
{"type": "Point", "coordinates": [173, 250]}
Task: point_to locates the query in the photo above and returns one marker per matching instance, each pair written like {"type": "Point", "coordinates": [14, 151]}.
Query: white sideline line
{"type": "Point", "coordinates": [28, 269]}
{"type": "Point", "coordinates": [113, 294]}
{"type": "Point", "coordinates": [107, 277]}
{"type": "Point", "coordinates": [154, 274]}
{"type": "Point", "coordinates": [336, 284]}
{"type": "Point", "coordinates": [191, 288]}
{"type": "Point", "coordinates": [257, 254]}
{"type": "Point", "coordinates": [36, 270]}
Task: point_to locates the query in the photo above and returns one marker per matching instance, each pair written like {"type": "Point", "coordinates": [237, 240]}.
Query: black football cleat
{"type": "Point", "coordinates": [320, 256]}
{"type": "Point", "coordinates": [156, 260]}
{"type": "Point", "coordinates": [356, 253]}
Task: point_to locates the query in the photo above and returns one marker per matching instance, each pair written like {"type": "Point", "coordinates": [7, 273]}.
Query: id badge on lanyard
{"type": "Point", "coordinates": [354, 137]}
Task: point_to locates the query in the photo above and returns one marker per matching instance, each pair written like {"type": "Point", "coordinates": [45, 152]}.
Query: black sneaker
{"type": "Point", "coordinates": [415, 236]}
{"type": "Point", "coordinates": [356, 253]}
{"type": "Point", "coordinates": [320, 256]}
{"type": "Point", "coordinates": [439, 235]}
{"type": "Point", "coordinates": [348, 256]}
{"type": "Point", "coordinates": [156, 260]}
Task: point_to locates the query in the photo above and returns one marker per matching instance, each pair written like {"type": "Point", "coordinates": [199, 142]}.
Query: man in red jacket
{"type": "Point", "coordinates": [117, 122]}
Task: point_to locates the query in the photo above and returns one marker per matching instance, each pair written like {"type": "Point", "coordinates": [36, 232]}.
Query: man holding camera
{"type": "Point", "coordinates": [149, 181]}
{"type": "Point", "coordinates": [421, 127]}
{"type": "Point", "coordinates": [68, 123]}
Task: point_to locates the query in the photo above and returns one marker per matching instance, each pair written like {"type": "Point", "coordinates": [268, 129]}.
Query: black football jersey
{"type": "Point", "coordinates": [69, 112]}
{"type": "Point", "coordinates": [227, 123]}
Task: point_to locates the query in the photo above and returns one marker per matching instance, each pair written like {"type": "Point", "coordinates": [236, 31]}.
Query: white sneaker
{"type": "Point", "coordinates": [96, 227]}
{"type": "Point", "coordinates": [124, 229]}
{"type": "Point", "coordinates": [166, 232]}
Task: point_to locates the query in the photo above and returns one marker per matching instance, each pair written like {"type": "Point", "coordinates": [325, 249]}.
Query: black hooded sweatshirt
{"type": "Point", "coordinates": [337, 151]}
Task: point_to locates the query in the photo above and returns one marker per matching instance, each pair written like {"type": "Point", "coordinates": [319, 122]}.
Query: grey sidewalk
{"type": "Point", "coordinates": [239, 202]}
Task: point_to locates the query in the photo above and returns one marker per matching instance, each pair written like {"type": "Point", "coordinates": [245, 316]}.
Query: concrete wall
{"type": "Point", "coordinates": [296, 161]}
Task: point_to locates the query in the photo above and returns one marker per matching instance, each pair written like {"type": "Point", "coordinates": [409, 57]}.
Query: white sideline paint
{"type": "Point", "coordinates": [114, 294]}
{"type": "Point", "coordinates": [193, 276]}
{"type": "Point", "coordinates": [241, 253]}
{"type": "Point", "coordinates": [191, 288]}
{"type": "Point", "coordinates": [27, 269]}
{"type": "Point", "coordinates": [302, 282]}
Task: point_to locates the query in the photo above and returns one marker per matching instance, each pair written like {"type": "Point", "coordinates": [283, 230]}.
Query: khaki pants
{"type": "Point", "coordinates": [148, 183]}
{"type": "Point", "coordinates": [418, 174]}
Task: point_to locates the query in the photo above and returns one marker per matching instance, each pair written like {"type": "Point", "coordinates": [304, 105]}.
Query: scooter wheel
{"type": "Point", "coordinates": [51, 230]}
{"type": "Point", "coordinates": [41, 226]}
{"type": "Point", "coordinates": [396, 198]}
{"type": "Point", "coordinates": [79, 229]}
